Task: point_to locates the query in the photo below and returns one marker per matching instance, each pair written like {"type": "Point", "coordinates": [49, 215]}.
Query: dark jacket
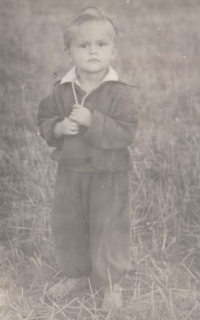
{"type": "Point", "coordinates": [104, 145]}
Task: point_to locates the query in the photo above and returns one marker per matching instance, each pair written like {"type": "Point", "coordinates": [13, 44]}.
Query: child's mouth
{"type": "Point", "coordinates": [93, 60]}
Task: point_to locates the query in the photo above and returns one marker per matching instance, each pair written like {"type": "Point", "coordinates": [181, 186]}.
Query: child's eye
{"type": "Point", "coordinates": [102, 44]}
{"type": "Point", "coordinates": [83, 45]}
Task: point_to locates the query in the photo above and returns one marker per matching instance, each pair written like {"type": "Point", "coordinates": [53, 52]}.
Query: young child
{"type": "Point", "coordinates": [91, 119]}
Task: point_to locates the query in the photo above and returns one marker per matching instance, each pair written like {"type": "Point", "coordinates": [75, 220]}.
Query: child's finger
{"type": "Point", "coordinates": [74, 112]}
{"type": "Point", "coordinates": [76, 106]}
{"type": "Point", "coordinates": [71, 120]}
{"type": "Point", "coordinates": [74, 126]}
{"type": "Point", "coordinates": [74, 132]}
{"type": "Point", "coordinates": [72, 117]}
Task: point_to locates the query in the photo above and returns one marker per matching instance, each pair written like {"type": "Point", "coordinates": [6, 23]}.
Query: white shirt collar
{"type": "Point", "coordinates": [111, 75]}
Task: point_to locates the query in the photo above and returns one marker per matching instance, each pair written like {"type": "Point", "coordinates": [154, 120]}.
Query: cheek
{"type": "Point", "coordinates": [79, 55]}
{"type": "Point", "coordinates": [75, 57]}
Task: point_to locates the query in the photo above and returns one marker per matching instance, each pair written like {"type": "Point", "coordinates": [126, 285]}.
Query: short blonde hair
{"type": "Point", "coordinates": [88, 13]}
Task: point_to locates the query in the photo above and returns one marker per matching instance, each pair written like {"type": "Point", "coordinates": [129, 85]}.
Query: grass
{"type": "Point", "coordinates": [162, 59]}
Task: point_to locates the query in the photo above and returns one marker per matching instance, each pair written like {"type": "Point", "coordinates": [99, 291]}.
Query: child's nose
{"type": "Point", "coordinates": [93, 49]}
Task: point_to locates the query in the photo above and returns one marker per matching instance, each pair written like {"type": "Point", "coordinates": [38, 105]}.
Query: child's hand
{"type": "Point", "coordinates": [66, 127]}
{"type": "Point", "coordinates": [81, 115]}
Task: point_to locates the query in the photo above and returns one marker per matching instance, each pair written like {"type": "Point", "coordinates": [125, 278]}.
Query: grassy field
{"type": "Point", "coordinates": [159, 51]}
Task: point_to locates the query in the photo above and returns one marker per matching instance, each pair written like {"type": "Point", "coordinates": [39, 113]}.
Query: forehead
{"type": "Point", "coordinates": [93, 30]}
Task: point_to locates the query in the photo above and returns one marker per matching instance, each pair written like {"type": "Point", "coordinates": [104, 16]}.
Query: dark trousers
{"type": "Point", "coordinates": [91, 224]}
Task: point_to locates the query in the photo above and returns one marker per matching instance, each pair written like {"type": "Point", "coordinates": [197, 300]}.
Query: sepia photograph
{"type": "Point", "coordinates": [99, 160]}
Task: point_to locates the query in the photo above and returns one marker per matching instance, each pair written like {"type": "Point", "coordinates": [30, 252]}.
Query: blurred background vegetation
{"type": "Point", "coordinates": [158, 47]}
{"type": "Point", "coordinates": [158, 51]}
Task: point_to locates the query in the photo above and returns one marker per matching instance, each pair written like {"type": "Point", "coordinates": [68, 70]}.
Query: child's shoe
{"type": "Point", "coordinates": [112, 299]}
{"type": "Point", "coordinates": [67, 286]}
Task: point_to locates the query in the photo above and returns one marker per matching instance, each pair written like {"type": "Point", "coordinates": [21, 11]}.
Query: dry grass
{"type": "Point", "coordinates": [162, 57]}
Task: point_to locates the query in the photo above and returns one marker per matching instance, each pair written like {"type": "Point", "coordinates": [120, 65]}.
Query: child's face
{"type": "Point", "coordinates": [92, 48]}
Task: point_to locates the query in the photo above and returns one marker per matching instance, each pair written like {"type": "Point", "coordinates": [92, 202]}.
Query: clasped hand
{"type": "Point", "coordinates": [80, 115]}
{"type": "Point", "coordinates": [70, 126]}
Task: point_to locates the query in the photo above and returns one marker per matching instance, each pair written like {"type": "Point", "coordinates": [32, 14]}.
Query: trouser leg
{"type": "Point", "coordinates": [69, 223]}
{"type": "Point", "coordinates": [109, 227]}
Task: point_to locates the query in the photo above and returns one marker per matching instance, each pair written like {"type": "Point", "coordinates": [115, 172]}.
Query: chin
{"type": "Point", "coordinates": [94, 70]}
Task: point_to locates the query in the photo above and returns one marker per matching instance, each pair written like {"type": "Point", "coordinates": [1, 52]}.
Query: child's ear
{"type": "Point", "coordinates": [114, 52]}
{"type": "Point", "coordinates": [69, 55]}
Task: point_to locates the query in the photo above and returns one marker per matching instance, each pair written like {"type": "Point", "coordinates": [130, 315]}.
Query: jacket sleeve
{"type": "Point", "coordinates": [116, 131]}
{"type": "Point", "coordinates": [48, 115]}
